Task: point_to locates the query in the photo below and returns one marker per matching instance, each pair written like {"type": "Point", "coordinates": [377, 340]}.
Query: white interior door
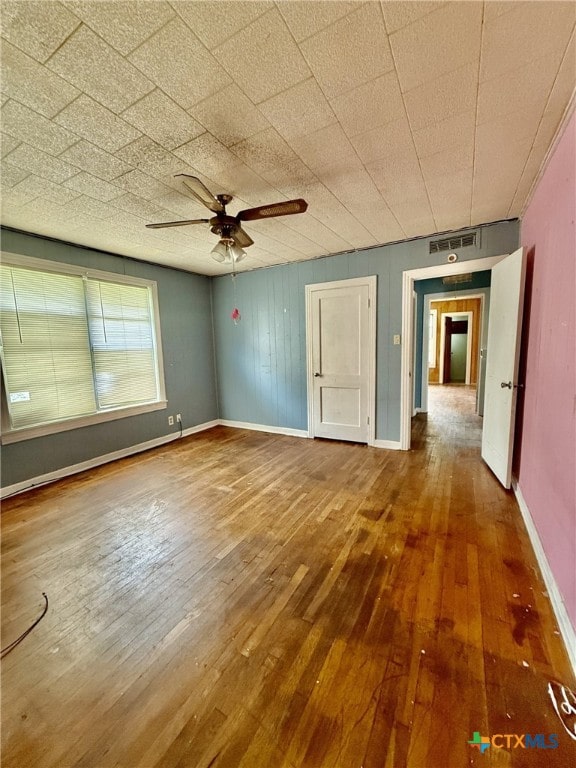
{"type": "Point", "coordinates": [502, 358]}
{"type": "Point", "coordinates": [340, 359]}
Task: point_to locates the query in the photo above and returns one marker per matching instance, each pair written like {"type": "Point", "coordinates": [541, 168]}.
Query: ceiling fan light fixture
{"type": "Point", "coordinates": [220, 252]}
{"type": "Point", "coordinates": [227, 251]}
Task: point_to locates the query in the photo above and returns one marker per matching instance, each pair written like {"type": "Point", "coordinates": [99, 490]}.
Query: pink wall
{"type": "Point", "coordinates": [547, 474]}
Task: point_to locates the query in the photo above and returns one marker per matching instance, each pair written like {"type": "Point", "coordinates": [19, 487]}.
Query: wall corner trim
{"type": "Point", "coordinates": [391, 445]}
{"type": "Point", "coordinates": [567, 631]}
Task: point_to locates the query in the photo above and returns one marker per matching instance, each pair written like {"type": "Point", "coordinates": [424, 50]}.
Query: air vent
{"type": "Point", "coordinates": [452, 243]}
{"type": "Point", "coordinates": [457, 279]}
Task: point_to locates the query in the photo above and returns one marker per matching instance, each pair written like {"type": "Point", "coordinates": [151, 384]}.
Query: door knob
{"type": "Point", "coordinates": [317, 374]}
{"type": "Point", "coordinates": [506, 384]}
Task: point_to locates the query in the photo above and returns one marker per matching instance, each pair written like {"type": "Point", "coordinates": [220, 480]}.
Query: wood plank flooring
{"type": "Point", "coordinates": [255, 600]}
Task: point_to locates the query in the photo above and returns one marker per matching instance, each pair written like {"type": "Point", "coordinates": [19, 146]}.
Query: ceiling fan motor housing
{"type": "Point", "coordinates": [223, 225]}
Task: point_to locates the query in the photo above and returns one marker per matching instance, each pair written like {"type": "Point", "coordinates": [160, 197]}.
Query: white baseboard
{"type": "Point", "coordinates": [264, 428]}
{"type": "Point", "coordinates": [201, 427]}
{"type": "Point", "coordinates": [391, 445]}
{"type": "Point", "coordinates": [73, 469]}
{"type": "Point", "coordinates": [566, 629]}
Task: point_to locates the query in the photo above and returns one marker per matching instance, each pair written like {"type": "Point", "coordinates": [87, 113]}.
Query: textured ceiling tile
{"type": "Point", "coordinates": [88, 206]}
{"type": "Point", "coordinates": [448, 161]}
{"type": "Point", "coordinates": [138, 207]}
{"type": "Point", "coordinates": [322, 204]}
{"type": "Point", "coordinates": [181, 205]}
{"type": "Point", "coordinates": [415, 216]}
{"type": "Point", "coordinates": [89, 158]}
{"type": "Point", "coordinates": [445, 97]}
{"type": "Point", "coordinates": [400, 14]}
{"type": "Point", "coordinates": [456, 186]}
{"type": "Point", "coordinates": [97, 124]}
{"type": "Point", "coordinates": [277, 65]}
{"type": "Point", "coordinates": [125, 25]}
{"type": "Point", "coordinates": [370, 105]}
{"type": "Point", "coordinates": [207, 154]}
{"type": "Point", "coordinates": [90, 64]}
{"type": "Point", "coordinates": [150, 157]}
{"type": "Point", "coordinates": [157, 116]}
{"type": "Point", "coordinates": [325, 149]}
{"type": "Point", "coordinates": [142, 185]}
{"type": "Point", "coordinates": [24, 124]}
{"type": "Point", "coordinates": [358, 193]}
{"type": "Point", "coordinates": [307, 17]}
{"type": "Point", "coordinates": [397, 188]}
{"type": "Point", "coordinates": [495, 8]}
{"type": "Point", "coordinates": [32, 84]}
{"type": "Point", "coordinates": [177, 61]}
{"type": "Point", "coordinates": [437, 44]}
{"type": "Point", "coordinates": [36, 28]}
{"type": "Point", "coordinates": [276, 228]}
{"type": "Point", "coordinates": [89, 185]}
{"type": "Point", "coordinates": [343, 56]}
{"type": "Point", "coordinates": [526, 88]}
{"type": "Point", "coordinates": [214, 22]}
{"type": "Point", "coordinates": [390, 139]}
{"type": "Point", "coordinates": [35, 161]}
{"type": "Point", "coordinates": [11, 175]}
{"type": "Point", "coordinates": [564, 83]}
{"type": "Point", "coordinates": [36, 187]}
{"type": "Point", "coordinates": [502, 132]}
{"type": "Point", "coordinates": [445, 134]}
{"type": "Point", "coordinates": [7, 144]}
{"type": "Point", "coordinates": [230, 116]}
{"type": "Point", "coordinates": [498, 161]}
{"type": "Point", "coordinates": [529, 174]}
{"type": "Point", "coordinates": [314, 230]}
{"type": "Point", "coordinates": [527, 33]}
{"type": "Point", "coordinates": [272, 158]}
{"type": "Point", "coordinates": [300, 110]}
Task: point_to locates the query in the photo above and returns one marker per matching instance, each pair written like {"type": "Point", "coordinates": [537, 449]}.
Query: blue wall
{"type": "Point", "coordinates": [261, 362]}
{"type": "Point", "coordinates": [187, 343]}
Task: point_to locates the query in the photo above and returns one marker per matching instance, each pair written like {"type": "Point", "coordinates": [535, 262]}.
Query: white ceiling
{"type": "Point", "coordinates": [392, 119]}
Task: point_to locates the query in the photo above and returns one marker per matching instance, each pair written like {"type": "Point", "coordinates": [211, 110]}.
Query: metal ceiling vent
{"type": "Point", "coordinates": [452, 243]}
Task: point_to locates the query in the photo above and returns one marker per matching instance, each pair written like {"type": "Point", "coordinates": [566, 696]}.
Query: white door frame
{"type": "Point", "coordinates": [369, 281]}
{"type": "Point", "coordinates": [470, 318]}
{"type": "Point", "coordinates": [408, 279]}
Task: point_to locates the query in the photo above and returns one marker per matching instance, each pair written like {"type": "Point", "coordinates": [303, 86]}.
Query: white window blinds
{"type": "Point", "coordinates": [46, 351]}
{"type": "Point", "coordinates": [122, 338]}
{"type": "Point", "coordinates": [73, 346]}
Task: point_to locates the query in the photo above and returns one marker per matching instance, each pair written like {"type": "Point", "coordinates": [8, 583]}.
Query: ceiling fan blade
{"type": "Point", "coordinates": [285, 208]}
{"type": "Point", "coordinates": [201, 192]}
{"type": "Point", "coordinates": [242, 237]}
{"type": "Point", "coordinates": [177, 223]}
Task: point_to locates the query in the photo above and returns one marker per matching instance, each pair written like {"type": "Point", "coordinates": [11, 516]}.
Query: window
{"type": "Point", "coordinates": [78, 347]}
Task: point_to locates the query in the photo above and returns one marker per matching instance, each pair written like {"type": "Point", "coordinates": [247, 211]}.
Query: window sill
{"type": "Point", "coordinates": [28, 433]}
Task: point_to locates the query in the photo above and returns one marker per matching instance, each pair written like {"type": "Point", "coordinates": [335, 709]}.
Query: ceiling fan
{"type": "Point", "coordinates": [233, 239]}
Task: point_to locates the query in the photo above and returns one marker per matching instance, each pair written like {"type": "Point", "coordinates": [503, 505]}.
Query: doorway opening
{"type": "Point", "coordinates": [421, 366]}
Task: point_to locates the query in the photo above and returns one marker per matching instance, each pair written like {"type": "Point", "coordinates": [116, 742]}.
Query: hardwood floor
{"type": "Point", "coordinates": [248, 599]}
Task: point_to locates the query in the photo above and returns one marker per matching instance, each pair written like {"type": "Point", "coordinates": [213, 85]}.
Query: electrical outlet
{"type": "Point", "coordinates": [170, 421]}
{"type": "Point", "coordinates": [179, 418]}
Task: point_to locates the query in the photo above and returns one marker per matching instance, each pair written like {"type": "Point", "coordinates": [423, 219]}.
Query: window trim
{"type": "Point", "coordinates": [11, 435]}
